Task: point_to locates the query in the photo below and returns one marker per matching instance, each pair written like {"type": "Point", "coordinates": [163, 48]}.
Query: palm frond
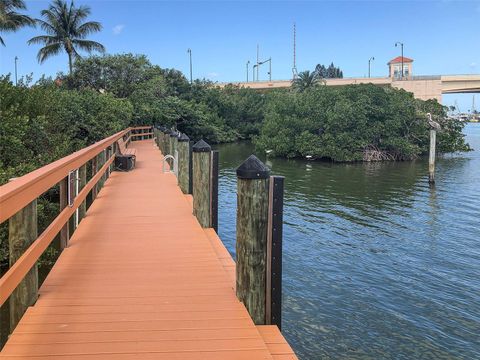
{"type": "Point", "coordinates": [88, 45]}
{"type": "Point", "coordinates": [88, 28]}
{"type": "Point", "coordinates": [43, 39]}
{"type": "Point", "coordinates": [48, 51]}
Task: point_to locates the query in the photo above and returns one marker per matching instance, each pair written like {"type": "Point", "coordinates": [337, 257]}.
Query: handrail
{"type": "Point", "coordinates": [17, 194]}
{"type": "Point", "coordinates": [10, 280]}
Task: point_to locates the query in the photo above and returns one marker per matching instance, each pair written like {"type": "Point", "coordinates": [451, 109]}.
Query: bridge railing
{"type": "Point", "coordinates": [18, 204]}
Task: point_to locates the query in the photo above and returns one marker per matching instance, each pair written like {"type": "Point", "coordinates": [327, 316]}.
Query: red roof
{"type": "Point", "coordinates": [398, 59]}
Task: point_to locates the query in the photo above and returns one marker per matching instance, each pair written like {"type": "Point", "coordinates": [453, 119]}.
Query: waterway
{"type": "Point", "coordinates": [377, 265]}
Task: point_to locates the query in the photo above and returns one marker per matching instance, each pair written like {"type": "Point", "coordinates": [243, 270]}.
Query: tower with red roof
{"type": "Point", "coordinates": [395, 68]}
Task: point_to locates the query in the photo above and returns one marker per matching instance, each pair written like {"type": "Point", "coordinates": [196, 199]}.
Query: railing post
{"type": "Point", "coordinates": [252, 229]}
{"type": "Point", "coordinates": [201, 183]}
{"type": "Point", "coordinates": [82, 174]}
{"type": "Point", "coordinates": [101, 162]}
{"type": "Point", "coordinates": [183, 162]}
{"type": "Point", "coordinates": [94, 171]}
{"type": "Point", "coordinates": [22, 231]}
{"type": "Point", "coordinates": [64, 232]}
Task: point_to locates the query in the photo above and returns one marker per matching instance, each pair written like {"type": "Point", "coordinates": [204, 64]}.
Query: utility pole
{"type": "Point", "coordinates": [248, 63]}
{"type": "Point", "coordinates": [253, 71]}
{"type": "Point", "coordinates": [401, 45]}
{"type": "Point", "coordinates": [189, 51]}
{"type": "Point", "coordinates": [369, 62]}
{"type": "Point", "coordinates": [16, 75]}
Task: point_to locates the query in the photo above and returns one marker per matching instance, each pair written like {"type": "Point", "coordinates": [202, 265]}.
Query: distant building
{"type": "Point", "coordinates": [395, 68]}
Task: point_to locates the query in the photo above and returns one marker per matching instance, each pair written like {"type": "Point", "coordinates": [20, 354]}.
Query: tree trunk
{"type": "Point", "coordinates": [70, 64]}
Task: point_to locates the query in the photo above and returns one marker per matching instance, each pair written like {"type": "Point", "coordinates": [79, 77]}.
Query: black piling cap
{"type": "Point", "coordinates": [253, 168]}
{"type": "Point", "coordinates": [183, 137]}
{"type": "Point", "coordinates": [201, 146]}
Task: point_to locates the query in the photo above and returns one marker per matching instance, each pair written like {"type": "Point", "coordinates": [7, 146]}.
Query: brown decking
{"type": "Point", "coordinates": [142, 280]}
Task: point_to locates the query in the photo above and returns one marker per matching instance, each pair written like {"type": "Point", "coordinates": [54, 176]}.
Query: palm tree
{"type": "Point", "coordinates": [10, 19]}
{"type": "Point", "coordinates": [307, 80]}
{"type": "Point", "coordinates": [66, 31]}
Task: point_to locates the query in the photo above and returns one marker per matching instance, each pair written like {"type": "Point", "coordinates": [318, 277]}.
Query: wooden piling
{"type": "Point", "coordinates": [183, 162]}
{"type": "Point", "coordinates": [201, 182]}
{"type": "Point", "coordinates": [166, 142]}
{"type": "Point", "coordinates": [431, 158]}
{"type": "Point", "coordinates": [251, 245]}
{"type": "Point", "coordinates": [173, 143]}
{"type": "Point", "coordinates": [22, 232]}
{"type": "Point", "coordinates": [64, 232]}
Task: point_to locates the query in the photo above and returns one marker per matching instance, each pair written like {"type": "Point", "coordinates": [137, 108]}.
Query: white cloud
{"type": "Point", "coordinates": [473, 64]}
{"type": "Point", "coordinates": [117, 29]}
{"type": "Point", "coordinates": [213, 75]}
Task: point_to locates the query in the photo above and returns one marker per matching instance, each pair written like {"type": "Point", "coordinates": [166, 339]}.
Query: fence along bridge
{"type": "Point", "coordinates": [143, 276]}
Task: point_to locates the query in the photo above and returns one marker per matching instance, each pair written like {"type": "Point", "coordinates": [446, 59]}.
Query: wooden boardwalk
{"type": "Point", "coordinates": [142, 280]}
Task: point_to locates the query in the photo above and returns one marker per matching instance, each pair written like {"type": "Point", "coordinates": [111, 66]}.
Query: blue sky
{"type": "Point", "coordinates": [443, 37]}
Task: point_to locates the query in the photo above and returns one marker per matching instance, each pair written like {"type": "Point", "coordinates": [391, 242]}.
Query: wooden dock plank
{"type": "Point", "coordinates": [140, 280]}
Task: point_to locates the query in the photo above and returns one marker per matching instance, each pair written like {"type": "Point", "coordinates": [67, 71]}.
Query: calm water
{"type": "Point", "coordinates": [376, 264]}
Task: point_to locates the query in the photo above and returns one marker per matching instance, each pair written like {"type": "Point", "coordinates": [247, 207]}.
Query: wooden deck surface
{"type": "Point", "coordinates": [142, 280]}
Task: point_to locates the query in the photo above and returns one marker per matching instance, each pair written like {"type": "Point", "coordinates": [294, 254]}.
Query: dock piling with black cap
{"type": "Point", "coordinates": [184, 163]}
{"type": "Point", "coordinates": [201, 159]}
{"type": "Point", "coordinates": [259, 241]}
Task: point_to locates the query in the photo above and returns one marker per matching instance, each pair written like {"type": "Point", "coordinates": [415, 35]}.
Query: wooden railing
{"type": "Point", "coordinates": [21, 192]}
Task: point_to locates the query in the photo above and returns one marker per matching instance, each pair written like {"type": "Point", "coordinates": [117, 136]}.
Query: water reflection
{"type": "Point", "coordinates": [376, 263]}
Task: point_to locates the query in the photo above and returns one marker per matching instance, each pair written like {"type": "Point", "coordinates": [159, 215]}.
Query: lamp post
{"type": "Point", "coordinates": [401, 45]}
{"type": "Point", "coordinates": [253, 68]}
{"type": "Point", "coordinates": [248, 63]}
{"type": "Point", "coordinates": [16, 77]}
{"type": "Point", "coordinates": [369, 62]}
{"type": "Point", "coordinates": [189, 51]}
{"type": "Point", "coordinates": [270, 68]}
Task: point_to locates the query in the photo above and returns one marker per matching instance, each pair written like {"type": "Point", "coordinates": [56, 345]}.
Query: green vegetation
{"type": "Point", "coordinates": [66, 31]}
{"type": "Point", "coordinates": [354, 123]}
{"type": "Point", "coordinates": [43, 123]}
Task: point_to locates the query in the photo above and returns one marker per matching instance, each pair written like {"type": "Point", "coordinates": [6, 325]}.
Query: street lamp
{"type": "Point", "coordinates": [248, 63]}
{"type": "Point", "coordinates": [401, 45]}
{"type": "Point", "coordinates": [16, 78]}
{"type": "Point", "coordinates": [270, 69]}
{"type": "Point", "coordinates": [189, 51]}
{"type": "Point", "coordinates": [253, 68]}
{"type": "Point", "coordinates": [369, 62]}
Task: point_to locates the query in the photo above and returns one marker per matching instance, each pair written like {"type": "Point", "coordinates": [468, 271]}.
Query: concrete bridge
{"type": "Point", "coordinates": [422, 87]}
